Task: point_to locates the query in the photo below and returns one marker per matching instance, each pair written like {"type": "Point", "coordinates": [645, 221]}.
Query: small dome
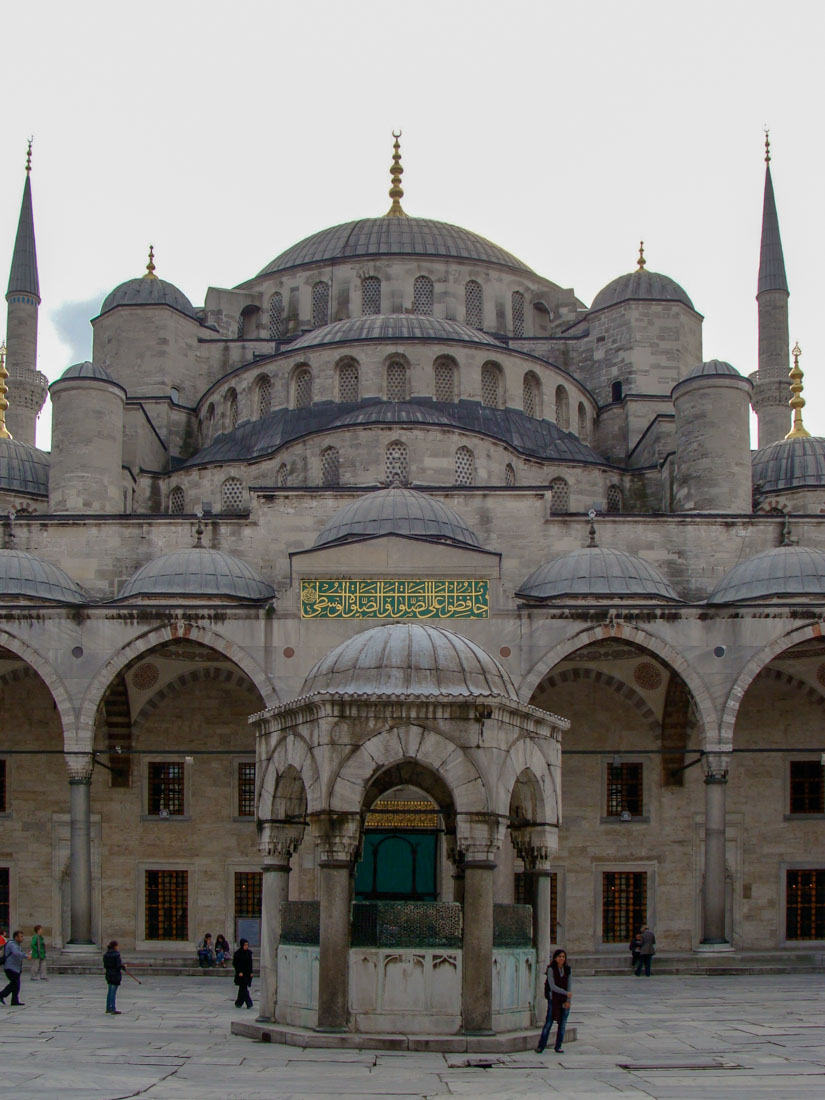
{"type": "Point", "coordinates": [713, 366]}
{"type": "Point", "coordinates": [592, 572]}
{"type": "Point", "coordinates": [647, 286]}
{"type": "Point", "coordinates": [197, 572]}
{"type": "Point", "coordinates": [790, 464]}
{"type": "Point", "coordinates": [148, 292]}
{"type": "Point", "coordinates": [409, 659]}
{"type": "Point", "coordinates": [783, 572]}
{"type": "Point", "coordinates": [23, 468]}
{"type": "Point", "coordinates": [86, 370]}
{"type": "Point", "coordinates": [392, 326]}
{"type": "Point", "coordinates": [24, 574]}
{"type": "Point", "coordinates": [397, 511]}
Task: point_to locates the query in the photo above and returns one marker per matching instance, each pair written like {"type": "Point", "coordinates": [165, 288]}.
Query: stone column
{"type": "Point", "coordinates": [713, 892]}
{"type": "Point", "coordinates": [80, 866]}
{"type": "Point", "coordinates": [479, 838]}
{"type": "Point", "coordinates": [534, 846]}
{"type": "Point", "coordinates": [278, 848]}
{"type": "Point", "coordinates": [337, 837]}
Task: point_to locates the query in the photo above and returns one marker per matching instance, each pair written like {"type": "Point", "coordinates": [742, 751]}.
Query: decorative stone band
{"type": "Point", "coordinates": [79, 765]}
{"type": "Point", "coordinates": [337, 837]}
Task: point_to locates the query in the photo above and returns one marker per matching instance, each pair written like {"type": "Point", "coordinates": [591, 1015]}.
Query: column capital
{"type": "Point", "coordinates": [715, 766]}
{"type": "Point", "coordinates": [337, 836]}
{"type": "Point", "coordinates": [479, 836]}
{"type": "Point", "coordinates": [278, 843]}
{"type": "Point", "coordinates": [79, 765]}
{"type": "Point", "coordinates": [535, 845]}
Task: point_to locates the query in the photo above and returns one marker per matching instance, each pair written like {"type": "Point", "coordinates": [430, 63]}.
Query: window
{"type": "Point", "coordinates": [246, 788]}
{"type": "Point", "coordinates": [559, 496]}
{"type": "Point", "coordinates": [282, 476]}
{"type": "Point", "coordinates": [624, 790]}
{"type": "Point", "coordinates": [444, 372]}
{"type": "Point", "coordinates": [264, 396]}
{"type": "Point", "coordinates": [320, 304]}
{"type": "Point", "coordinates": [582, 414]}
{"type": "Point", "coordinates": [210, 423]}
{"type": "Point", "coordinates": [805, 905]}
{"type": "Point", "coordinates": [330, 466]}
{"type": "Point", "coordinates": [396, 463]}
{"type": "Point", "coordinates": [624, 904]}
{"type": "Point", "coordinates": [615, 391]}
{"type": "Point", "coordinates": [303, 388]}
{"type": "Point", "coordinates": [166, 790]}
{"type": "Point", "coordinates": [490, 387]}
{"type": "Point", "coordinates": [562, 409]}
{"type": "Point", "coordinates": [423, 295]}
{"type": "Point", "coordinates": [370, 295]}
{"type": "Point", "coordinates": [614, 499]}
{"type": "Point", "coordinates": [531, 395]}
{"type": "Point", "coordinates": [3, 803]}
{"type": "Point", "coordinates": [473, 304]}
{"type": "Point", "coordinates": [465, 466]}
{"type": "Point", "coordinates": [276, 316]}
{"type": "Point", "coordinates": [231, 410]}
{"type": "Point", "coordinates": [349, 388]}
{"type": "Point", "coordinates": [509, 475]}
{"type": "Point", "coordinates": [232, 497]}
{"type": "Point", "coordinates": [517, 309]}
{"type": "Point", "coordinates": [241, 326]}
{"type": "Point", "coordinates": [397, 382]}
{"type": "Point", "coordinates": [807, 787]}
{"type": "Point", "coordinates": [176, 501]}
{"type": "Point", "coordinates": [5, 898]}
{"type": "Point", "coordinates": [167, 905]}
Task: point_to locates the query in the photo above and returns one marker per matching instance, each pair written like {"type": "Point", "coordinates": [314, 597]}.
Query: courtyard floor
{"type": "Point", "coordinates": [665, 1037]}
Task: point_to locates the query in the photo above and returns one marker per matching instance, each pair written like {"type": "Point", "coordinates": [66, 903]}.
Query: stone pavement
{"type": "Point", "coordinates": [667, 1037]}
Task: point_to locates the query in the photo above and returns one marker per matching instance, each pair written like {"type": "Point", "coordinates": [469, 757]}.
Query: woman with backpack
{"type": "Point", "coordinates": [557, 986]}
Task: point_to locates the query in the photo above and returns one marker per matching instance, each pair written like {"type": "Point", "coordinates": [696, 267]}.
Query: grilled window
{"type": "Point", "coordinates": [583, 432]}
{"type": "Point", "coordinates": [517, 309]}
{"type": "Point", "coordinates": [348, 382]}
{"type": "Point", "coordinates": [320, 304]}
{"type": "Point", "coordinates": [465, 466]}
{"type": "Point", "coordinates": [805, 905]}
{"type": "Point", "coordinates": [396, 463]}
{"type": "Point", "coordinates": [370, 295]}
{"type": "Point", "coordinates": [509, 475]}
{"type": "Point", "coordinates": [246, 789]}
{"type": "Point", "coordinates": [231, 410]}
{"type": "Point", "coordinates": [397, 382]}
{"type": "Point", "coordinates": [444, 372]}
{"type": "Point", "coordinates": [490, 395]}
{"type": "Point", "coordinates": [282, 476]}
{"type": "Point", "coordinates": [303, 388]}
{"type": "Point", "coordinates": [3, 804]}
{"type": "Point", "coordinates": [473, 304]}
{"type": "Point", "coordinates": [523, 894]}
{"type": "Point", "coordinates": [614, 499]}
{"type": "Point", "coordinates": [176, 501]}
{"type": "Point", "coordinates": [562, 409]}
{"type": "Point", "coordinates": [330, 466]}
{"type": "Point", "coordinates": [248, 889]}
{"type": "Point", "coordinates": [276, 316]}
{"type": "Point", "coordinates": [264, 396]}
{"type": "Point", "coordinates": [232, 496]}
{"type": "Point", "coordinates": [531, 395]}
{"type": "Point", "coordinates": [807, 783]}
{"type": "Point", "coordinates": [241, 325]}
{"type": "Point", "coordinates": [166, 793]}
{"type": "Point", "coordinates": [559, 496]}
{"type": "Point", "coordinates": [624, 790]}
{"type": "Point", "coordinates": [624, 904]}
{"type": "Point", "coordinates": [423, 295]}
{"type": "Point", "coordinates": [166, 903]}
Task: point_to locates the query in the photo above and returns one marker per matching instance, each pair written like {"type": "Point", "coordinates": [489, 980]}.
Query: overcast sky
{"type": "Point", "coordinates": [224, 132]}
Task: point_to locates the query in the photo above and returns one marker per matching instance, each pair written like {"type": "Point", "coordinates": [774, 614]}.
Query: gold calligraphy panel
{"type": "Point", "coordinates": [399, 598]}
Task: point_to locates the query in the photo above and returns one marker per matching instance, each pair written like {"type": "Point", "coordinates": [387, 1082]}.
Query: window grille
{"type": "Point", "coordinates": [559, 496]}
{"type": "Point", "coordinates": [370, 295]}
{"type": "Point", "coordinates": [165, 790]}
{"type": "Point", "coordinates": [232, 495]}
{"type": "Point", "coordinates": [176, 501]}
{"type": "Point", "coordinates": [276, 316]}
{"type": "Point", "coordinates": [562, 409]}
{"type": "Point", "coordinates": [624, 904]}
{"type": "Point", "coordinates": [805, 905]}
{"type": "Point", "coordinates": [282, 475]}
{"type": "Point", "coordinates": [210, 423]}
{"type": "Point", "coordinates": [320, 304]}
{"type": "Point", "coordinates": [5, 898]}
{"type": "Point", "coordinates": [807, 787]}
{"type": "Point", "coordinates": [166, 903]}
{"type": "Point", "coordinates": [241, 325]}
{"type": "Point", "coordinates": [303, 388]}
{"type": "Point", "coordinates": [423, 295]}
{"type": "Point", "coordinates": [231, 410]}
{"type": "Point", "coordinates": [444, 381]}
{"type": "Point", "coordinates": [248, 889]}
{"type": "Point", "coordinates": [464, 466]}
{"type": "Point", "coordinates": [3, 803]}
{"type": "Point", "coordinates": [396, 463]}
{"type": "Point", "coordinates": [624, 790]}
{"type": "Point", "coordinates": [264, 396]}
{"type": "Point", "coordinates": [473, 304]}
{"type": "Point", "coordinates": [517, 308]}
{"type": "Point", "coordinates": [615, 391]}
{"type": "Point", "coordinates": [397, 382]}
{"type": "Point", "coordinates": [246, 789]}
{"type": "Point", "coordinates": [490, 386]}
{"type": "Point", "coordinates": [614, 499]}
{"type": "Point", "coordinates": [329, 466]}
{"type": "Point", "coordinates": [530, 395]}
{"type": "Point", "coordinates": [509, 475]}
{"type": "Point", "coordinates": [583, 433]}
{"type": "Point", "coordinates": [348, 383]}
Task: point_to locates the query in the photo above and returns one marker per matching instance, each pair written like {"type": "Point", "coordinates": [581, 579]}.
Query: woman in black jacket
{"type": "Point", "coordinates": [242, 961]}
{"type": "Point", "coordinates": [113, 967]}
{"type": "Point", "coordinates": [558, 985]}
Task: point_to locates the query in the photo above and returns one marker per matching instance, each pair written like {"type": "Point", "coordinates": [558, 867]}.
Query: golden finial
{"type": "Point", "coordinates": [29, 156]}
{"type": "Point", "coordinates": [797, 401]}
{"type": "Point", "coordinates": [396, 172]}
{"type": "Point", "coordinates": [150, 267]}
{"type": "Point", "coordinates": [4, 431]}
{"type": "Point", "coordinates": [767, 145]}
{"type": "Point", "coordinates": [642, 260]}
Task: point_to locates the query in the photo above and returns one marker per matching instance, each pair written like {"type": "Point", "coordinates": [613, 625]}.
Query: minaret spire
{"type": "Point", "coordinates": [771, 261]}
{"type": "Point", "coordinates": [396, 172]}
{"type": "Point", "coordinates": [23, 275]}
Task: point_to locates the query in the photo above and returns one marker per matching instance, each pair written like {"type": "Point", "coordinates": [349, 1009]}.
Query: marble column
{"type": "Point", "coordinates": [80, 861]}
{"type": "Point", "coordinates": [714, 888]}
{"type": "Point", "coordinates": [535, 845]}
{"type": "Point", "coordinates": [477, 954]}
{"type": "Point", "coordinates": [337, 837]}
{"type": "Point", "coordinates": [278, 850]}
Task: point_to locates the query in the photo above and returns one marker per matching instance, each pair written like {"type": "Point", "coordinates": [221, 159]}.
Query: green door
{"type": "Point", "coordinates": [397, 866]}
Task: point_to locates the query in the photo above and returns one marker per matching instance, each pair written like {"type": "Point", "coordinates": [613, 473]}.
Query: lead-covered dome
{"type": "Point", "coordinates": [87, 370]}
{"type": "Point", "coordinates": [711, 368]}
{"type": "Point", "coordinates": [25, 575]}
{"type": "Point", "coordinates": [645, 286]}
{"type": "Point", "coordinates": [790, 464]}
{"type": "Point", "coordinates": [197, 572]}
{"type": "Point", "coordinates": [392, 326]}
{"type": "Point", "coordinates": [409, 659]}
{"type": "Point", "coordinates": [145, 291]}
{"type": "Point", "coordinates": [596, 572]}
{"type": "Point", "coordinates": [397, 511]}
{"type": "Point", "coordinates": [787, 571]}
{"type": "Point", "coordinates": [23, 468]}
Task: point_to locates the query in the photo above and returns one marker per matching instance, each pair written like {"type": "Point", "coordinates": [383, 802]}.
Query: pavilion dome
{"type": "Point", "coordinates": [596, 572]}
{"type": "Point", "coordinates": [397, 511]}
{"type": "Point", "coordinates": [645, 286]}
{"type": "Point", "coordinates": [26, 575]}
{"type": "Point", "coordinates": [144, 291]}
{"type": "Point", "coordinates": [87, 370]}
{"type": "Point", "coordinates": [24, 468]}
{"type": "Point", "coordinates": [713, 367]}
{"type": "Point", "coordinates": [197, 571]}
{"type": "Point", "coordinates": [786, 571]}
{"type": "Point", "coordinates": [790, 464]}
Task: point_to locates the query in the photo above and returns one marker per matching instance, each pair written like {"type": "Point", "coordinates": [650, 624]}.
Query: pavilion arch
{"type": "Point", "coordinates": [50, 678]}
{"type": "Point", "coordinates": [292, 755]}
{"type": "Point", "coordinates": [701, 696]}
{"type": "Point", "coordinates": [525, 772]}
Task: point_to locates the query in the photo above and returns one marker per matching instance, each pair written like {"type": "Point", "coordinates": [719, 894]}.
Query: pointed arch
{"type": "Point", "coordinates": [526, 756]}
{"type": "Point", "coordinates": [291, 752]}
{"type": "Point", "coordinates": [50, 678]}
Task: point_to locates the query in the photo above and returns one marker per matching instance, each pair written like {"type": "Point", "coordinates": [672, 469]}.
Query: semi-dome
{"type": "Point", "coordinates": [23, 468]}
{"type": "Point", "coordinates": [148, 292]}
{"type": "Point", "coordinates": [596, 572]}
{"type": "Point", "coordinates": [395, 237]}
{"type": "Point", "coordinates": [713, 367]}
{"type": "Point", "coordinates": [790, 464]}
{"type": "Point", "coordinates": [397, 511]}
{"type": "Point", "coordinates": [23, 574]}
{"type": "Point", "coordinates": [787, 571]}
{"type": "Point", "coordinates": [87, 370]}
{"type": "Point", "coordinates": [643, 285]}
{"type": "Point", "coordinates": [409, 659]}
{"type": "Point", "coordinates": [392, 326]}
{"type": "Point", "coordinates": [197, 572]}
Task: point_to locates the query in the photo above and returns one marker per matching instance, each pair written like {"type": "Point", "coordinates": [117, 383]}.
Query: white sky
{"type": "Point", "coordinates": [224, 132]}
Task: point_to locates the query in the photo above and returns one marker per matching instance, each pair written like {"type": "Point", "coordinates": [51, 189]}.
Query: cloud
{"type": "Point", "coordinates": [72, 324]}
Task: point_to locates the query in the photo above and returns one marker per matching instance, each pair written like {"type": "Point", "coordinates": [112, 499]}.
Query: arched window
{"type": "Point", "coordinates": [397, 463]}
{"type": "Point", "coordinates": [473, 304]}
{"type": "Point", "coordinates": [423, 295]}
{"type": "Point", "coordinates": [559, 496]}
{"type": "Point", "coordinates": [465, 466]}
{"type": "Point", "coordinates": [231, 410]}
{"type": "Point", "coordinates": [349, 388]}
{"type": "Point", "coordinates": [232, 496]}
{"type": "Point", "coordinates": [370, 295]}
{"type": "Point", "coordinates": [491, 386]}
{"type": "Point", "coordinates": [303, 388]}
{"type": "Point", "coordinates": [444, 372]}
{"type": "Point", "coordinates": [509, 475]}
{"type": "Point", "coordinates": [562, 409]}
{"type": "Point", "coordinates": [209, 427]}
{"type": "Point", "coordinates": [282, 476]}
{"type": "Point", "coordinates": [276, 316]}
{"type": "Point", "coordinates": [614, 499]}
{"type": "Point", "coordinates": [264, 395]}
{"type": "Point", "coordinates": [583, 432]}
{"type": "Point", "coordinates": [397, 389]}
{"type": "Point", "coordinates": [330, 474]}
{"type": "Point", "coordinates": [241, 326]}
{"type": "Point", "coordinates": [320, 304]}
{"type": "Point", "coordinates": [176, 501]}
{"type": "Point", "coordinates": [531, 394]}
{"type": "Point", "coordinates": [616, 390]}
{"type": "Point", "coordinates": [517, 308]}
{"type": "Point", "coordinates": [248, 322]}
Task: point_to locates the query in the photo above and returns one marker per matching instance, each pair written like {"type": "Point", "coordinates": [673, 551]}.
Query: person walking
{"type": "Point", "coordinates": [113, 967]}
{"type": "Point", "coordinates": [242, 961]}
{"type": "Point", "coordinates": [647, 950]}
{"type": "Point", "coordinates": [38, 955]}
{"type": "Point", "coordinates": [557, 989]}
{"type": "Point", "coordinates": [13, 965]}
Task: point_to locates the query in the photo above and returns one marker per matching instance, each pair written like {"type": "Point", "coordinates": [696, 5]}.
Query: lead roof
{"type": "Point", "coordinates": [23, 275]}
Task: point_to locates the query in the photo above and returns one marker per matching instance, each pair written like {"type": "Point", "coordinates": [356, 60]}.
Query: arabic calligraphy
{"type": "Point", "coordinates": [398, 598]}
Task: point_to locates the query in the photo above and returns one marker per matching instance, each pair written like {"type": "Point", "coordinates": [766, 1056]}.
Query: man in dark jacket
{"type": "Point", "coordinates": [13, 965]}
{"type": "Point", "coordinates": [242, 961]}
{"type": "Point", "coordinates": [646, 951]}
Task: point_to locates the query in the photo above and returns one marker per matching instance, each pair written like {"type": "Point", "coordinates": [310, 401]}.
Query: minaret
{"type": "Point", "coordinates": [770, 392]}
{"type": "Point", "coordinates": [27, 387]}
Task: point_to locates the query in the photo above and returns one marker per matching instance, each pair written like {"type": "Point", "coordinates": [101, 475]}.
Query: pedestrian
{"type": "Point", "coordinates": [633, 947]}
{"type": "Point", "coordinates": [113, 967]}
{"type": "Point", "coordinates": [647, 950]}
{"type": "Point", "coordinates": [557, 986]}
{"type": "Point", "coordinates": [242, 961]}
{"type": "Point", "coordinates": [38, 955]}
{"type": "Point", "coordinates": [206, 952]}
{"type": "Point", "coordinates": [13, 956]}
{"type": "Point", "coordinates": [222, 950]}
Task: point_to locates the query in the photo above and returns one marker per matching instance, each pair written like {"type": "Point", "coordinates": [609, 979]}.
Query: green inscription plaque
{"type": "Point", "coordinates": [341, 598]}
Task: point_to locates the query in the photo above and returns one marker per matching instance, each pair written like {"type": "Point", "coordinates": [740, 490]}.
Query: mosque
{"type": "Point", "coordinates": [407, 615]}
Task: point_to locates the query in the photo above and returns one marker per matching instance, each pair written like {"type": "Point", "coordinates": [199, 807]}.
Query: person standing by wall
{"type": "Point", "coordinates": [647, 950]}
{"type": "Point", "coordinates": [38, 955]}
{"type": "Point", "coordinates": [242, 961]}
{"type": "Point", "coordinates": [114, 969]}
{"type": "Point", "coordinates": [557, 988]}
{"type": "Point", "coordinates": [13, 966]}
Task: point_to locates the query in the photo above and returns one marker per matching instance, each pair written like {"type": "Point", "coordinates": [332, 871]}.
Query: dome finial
{"type": "Point", "coordinates": [767, 144]}
{"type": "Point", "coordinates": [797, 401]}
{"type": "Point", "coordinates": [150, 267]}
{"type": "Point", "coordinates": [396, 172]}
{"type": "Point", "coordinates": [642, 260]}
{"type": "Point", "coordinates": [29, 157]}
{"type": "Point", "coordinates": [591, 531]}
{"type": "Point", "coordinates": [4, 431]}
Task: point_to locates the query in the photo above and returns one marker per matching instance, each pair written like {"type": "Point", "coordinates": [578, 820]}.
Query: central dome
{"type": "Point", "coordinates": [397, 511]}
{"type": "Point", "coordinates": [392, 236]}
